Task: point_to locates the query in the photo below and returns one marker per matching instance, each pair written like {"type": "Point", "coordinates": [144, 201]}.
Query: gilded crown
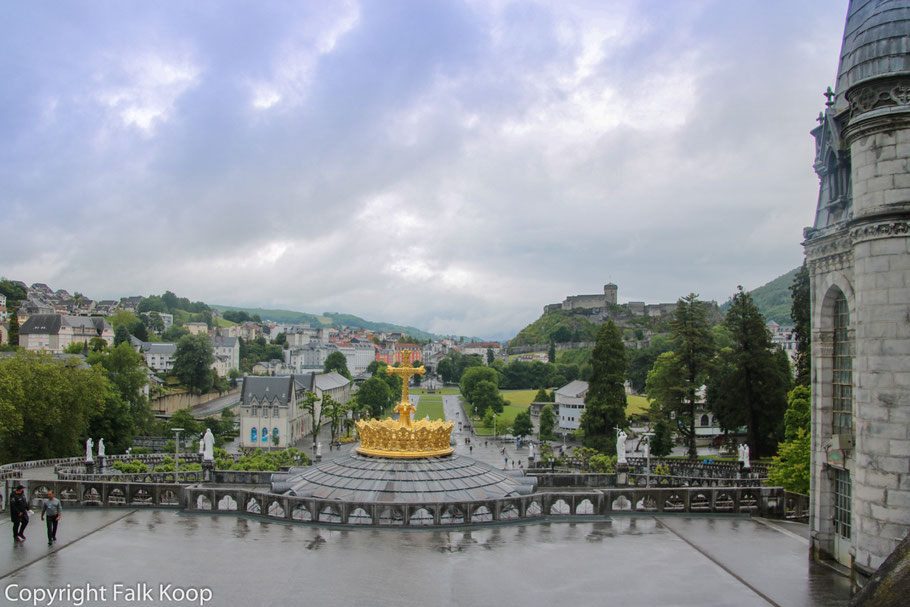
{"type": "Point", "coordinates": [390, 438]}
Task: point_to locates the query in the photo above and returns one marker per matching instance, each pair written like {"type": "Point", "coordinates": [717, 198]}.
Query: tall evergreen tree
{"type": "Point", "coordinates": [551, 352]}
{"type": "Point", "coordinates": [14, 326]}
{"type": "Point", "coordinates": [748, 385]}
{"type": "Point", "coordinates": [192, 362]}
{"type": "Point", "coordinates": [799, 312]}
{"type": "Point", "coordinates": [693, 345]}
{"type": "Point", "coordinates": [605, 402]}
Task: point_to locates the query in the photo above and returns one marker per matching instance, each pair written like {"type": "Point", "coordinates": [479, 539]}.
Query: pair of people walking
{"type": "Point", "coordinates": [19, 512]}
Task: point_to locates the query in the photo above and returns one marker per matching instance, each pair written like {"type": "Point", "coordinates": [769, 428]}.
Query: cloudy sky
{"type": "Point", "coordinates": [449, 165]}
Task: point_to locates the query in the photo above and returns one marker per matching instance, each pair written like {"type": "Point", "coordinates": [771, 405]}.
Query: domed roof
{"type": "Point", "coordinates": [357, 478]}
{"type": "Point", "coordinates": [876, 42]}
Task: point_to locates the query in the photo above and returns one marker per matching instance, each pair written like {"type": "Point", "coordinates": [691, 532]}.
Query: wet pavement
{"type": "Point", "coordinates": [682, 561]}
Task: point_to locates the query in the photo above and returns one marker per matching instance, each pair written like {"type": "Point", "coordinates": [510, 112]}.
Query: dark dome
{"type": "Point", "coordinates": [876, 42]}
{"type": "Point", "coordinates": [357, 478]}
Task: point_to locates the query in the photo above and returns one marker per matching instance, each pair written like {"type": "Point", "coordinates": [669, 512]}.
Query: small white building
{"type": "Point", "coordinates": [271, 411]}
{"type": "Point", "coordinates": [54, 332]}
{"type": "Point", "coordinates": [570, 404]}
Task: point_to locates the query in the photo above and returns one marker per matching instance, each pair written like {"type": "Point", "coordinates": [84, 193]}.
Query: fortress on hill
{"type": "Point", "coordinates": [603, 303]}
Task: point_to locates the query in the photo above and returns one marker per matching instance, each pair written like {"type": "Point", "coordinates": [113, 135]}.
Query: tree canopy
{"type": "Point", "coordinates": [336, 361]}
{"type": "Point", "coordinates": [192, 362]}
{"type": "Point", "coordinates": [605, 402]}
{"type": "Point", "coordinates": [748, 385]}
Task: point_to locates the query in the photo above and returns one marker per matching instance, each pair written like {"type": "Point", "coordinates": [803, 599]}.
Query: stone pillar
{"type": "Point", "coordinates": [880, 234]}
{"type": "Point", "coordinates": [622, 475]}
{"type": "Point", "coordinates": [208, 471]}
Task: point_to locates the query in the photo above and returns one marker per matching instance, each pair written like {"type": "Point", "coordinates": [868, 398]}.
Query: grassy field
{"type": "Point", "coordinates": [506, 418]}
{"type": "Point", "coordinates": [519, 398]}
{"type": "Point", "coordinates": [636, 404]}
{"type": "Point", "coordinates": [430, 405]}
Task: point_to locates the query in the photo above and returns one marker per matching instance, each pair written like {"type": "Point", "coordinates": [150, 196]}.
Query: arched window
{"type": "Point", "coordinates": [842, 378]}
{"type": "Point", "coordinates": [253, 435]}
{"type": "Point", "coordinates": [831, 177]}
{"type": "Point", "coordinates": [265, 434]}
{"type": "Point", "coordinates": [275, 433]}
{"type": "Point", "coordinates": [704, 420]}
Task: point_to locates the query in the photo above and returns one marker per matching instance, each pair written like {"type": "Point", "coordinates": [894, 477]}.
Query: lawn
{"type": "Point", "coordinates": [429, 405]}
{"type": "Point", "coordinates": [636, 405]}
{"type": "Point", "coordinates": [506, 417]}
{"type": "Point", "coordinates": [520, 398]}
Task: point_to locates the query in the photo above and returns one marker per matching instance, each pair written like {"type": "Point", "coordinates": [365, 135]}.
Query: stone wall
{"type": "Point", "coordinates": [174, 402]}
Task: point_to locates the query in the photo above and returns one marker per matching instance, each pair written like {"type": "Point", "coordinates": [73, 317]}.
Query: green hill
{"type": "Point", "coordinates": [333, 319]}
{"type": "Point", "coordinates": [558, 326]}
{"type": "Point", "coordinates": [773, 299]}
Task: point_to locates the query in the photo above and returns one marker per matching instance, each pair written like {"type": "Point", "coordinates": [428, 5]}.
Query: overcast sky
{"type": "Point", "coordinates": [448, 165]}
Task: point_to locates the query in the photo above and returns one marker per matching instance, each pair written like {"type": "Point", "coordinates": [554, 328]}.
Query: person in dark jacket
{"type": "Point", "coordinates": [18, 513]}
{"type": "Point", "coordinates": [52, 508]}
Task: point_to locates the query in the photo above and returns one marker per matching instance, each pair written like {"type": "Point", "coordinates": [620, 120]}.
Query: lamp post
{"type": "Point", "coordinates": [176, 432]}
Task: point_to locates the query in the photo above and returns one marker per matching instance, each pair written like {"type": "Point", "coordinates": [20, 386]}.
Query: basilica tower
{"type": "Point", "coordinates": [858, 253]}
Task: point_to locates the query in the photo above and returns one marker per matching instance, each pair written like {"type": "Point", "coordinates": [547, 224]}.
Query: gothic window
{"type": "Point", "coordinates": [704, 420]}
{"type": "Point", "coordinates": [265, 434]}
{"type": "Point", "coordinates": [252, 435]}
{"type": "Point", "coordinates": [843, 494]}
{"type": "Point", "coordinates": [842, 381]}
{"type": "Point", "coordinates": [275, 411]}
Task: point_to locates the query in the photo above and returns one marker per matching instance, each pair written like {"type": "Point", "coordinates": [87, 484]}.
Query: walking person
{"type": "Point", "coordinates": [18, 513]}
{"type": "Point", "coordinates": [52, 508]}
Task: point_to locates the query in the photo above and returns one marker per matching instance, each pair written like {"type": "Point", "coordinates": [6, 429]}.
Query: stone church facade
{"type": "Point", "coordinates": [858, 254]}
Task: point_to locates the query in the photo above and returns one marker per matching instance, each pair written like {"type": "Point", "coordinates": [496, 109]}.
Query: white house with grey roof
{"type": "Point", "coordinates": [271, 411]}
{"type": "Point", "coordinates": [54, 332]}
{"type": "Point", "coordinates": [570, 404]}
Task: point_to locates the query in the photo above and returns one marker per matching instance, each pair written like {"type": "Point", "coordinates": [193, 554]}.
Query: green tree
{"type": "Point", "coordinates": [486, 396]}
{"type": "Point", "coordinates": [375, 396]}
{"type": "Point", "coordinates": [693, 346]}
{"type": "Point", "coordinates": [522, 426]}
{"type": "Point", "coordinates": [662, 440]}
{"type": "Point", "coordinates": [490, 356]}
{"type": "Point", "coordinates": [13, 326]}
{"type": "Point", "coordinates": [46, 406]}
{"type": "Point", "coordinates": [605, 402]}
{"type": "Point", "coordinates": [799, 312]}
{"type": "Point", "coordinates": [790, 467]}
{"type": "Point", "coordinates": [748, 386]}
{"type": "Point", "coordinates": [335, 411]}
{"type": "Point", "coordinates": [551, 352]}
{"type": "Point", "coordinates": [798, 413]}
{"type": "Point", "coordinates": [121, 335]}
{"type": "Point", "coordinates": [473, 376]}
{"type": "Point", "coordinates": [184, 418]}
{"type": "Point", "coordinates": [138, 330]}
{"type": "Point", "coordinates": [313, 406]}
{"type": "Point", "coordinates": [125, 370]}
{"type": "Point", "coordinates": [337, 362]}
{"type": "Point", "coordinates": [547, 422]}
{"type": "Point", "coordinates": [192, 362]}
{"type": "Point", "coordinates": [543, 396]}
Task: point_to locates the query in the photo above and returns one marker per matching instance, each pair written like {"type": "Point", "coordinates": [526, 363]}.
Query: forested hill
{"type": "Point", "coordinates": [333, 319]}
{"type": "Point", "coordinates": [773, 299]}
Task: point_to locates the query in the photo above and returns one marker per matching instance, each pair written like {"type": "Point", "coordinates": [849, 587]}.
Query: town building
{"type": "Point", "coordinates": [227, 348]}
{"type": "Point", "coordinates": [396, 351]}
{"type": "Point", "coordinates": [55, 332]}
{"type": "Point", "coordinates": [196, 328]}
{"type": "Point", "coordinates": [570, 405]}
{"type": "Point", "coordinates": [784, 337]}
{"type": "Point", "coordinates": [858, 257]}
{"type": "Point", "coordinates": [272, 412]}
{"type": "Point", "coordinates": [159, 356]}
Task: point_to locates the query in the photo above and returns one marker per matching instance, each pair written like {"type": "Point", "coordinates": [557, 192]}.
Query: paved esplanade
{"type": "Point", "coordinates": [627, 561]}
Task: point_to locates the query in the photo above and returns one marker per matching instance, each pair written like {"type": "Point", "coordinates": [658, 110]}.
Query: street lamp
{"type": "Point", "coordinates": [176, 432]}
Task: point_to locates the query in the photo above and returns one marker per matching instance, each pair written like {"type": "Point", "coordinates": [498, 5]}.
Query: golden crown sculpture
{"type": "Point", "coordinates": [391, 438]}
{"type": "Point", "coordinates": [403, 438]}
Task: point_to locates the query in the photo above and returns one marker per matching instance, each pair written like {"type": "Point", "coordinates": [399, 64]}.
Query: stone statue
{"type": "Point", "coordinates": [100, 447]}
{"type": "Point", "coordinates": [746, 463]}
{"type": "Point", "coordinates": [201, 445]}
{"type": "Point", "coordinates": [530, 450]}
{"type": "Point", "coordinates": [739, 453]}
{"type": "Point", "coordinates": [621, 447]}
{"type": "Point", "coordinates": [89, 443]}
{"type": "Point", "coordinates": [208, 446]}
{"type": "Point", "coordinates": [319, 449]}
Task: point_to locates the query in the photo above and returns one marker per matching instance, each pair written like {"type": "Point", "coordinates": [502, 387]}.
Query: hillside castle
{"type": "Point", "coordinates": [603, 303]}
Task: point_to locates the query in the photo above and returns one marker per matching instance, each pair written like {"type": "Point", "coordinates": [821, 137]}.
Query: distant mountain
{"type": "Point", "coordinates": [773, 299]}
{"type": "Point", "coordinates": [335, 319]}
